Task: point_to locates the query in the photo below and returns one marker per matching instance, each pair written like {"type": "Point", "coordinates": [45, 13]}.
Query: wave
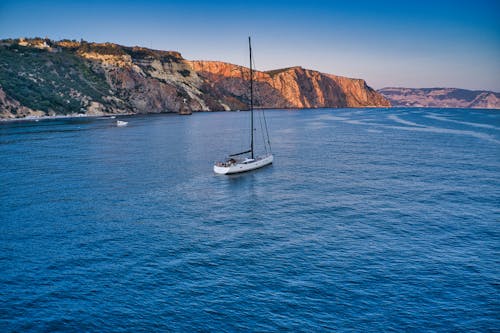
{"type": "Point", "coordinates": [317, 125]}
{"type": "Point", "coordinates": [412, 126]}
{"type": "Point", "coordinates": [402, 121]}
{"type": "Point", "coordinates": [347, 120]}
{"type": "Point", "coordinates": [436, 117]}
{"type": "Point", "coordinates": [331, 117]}
{"type": "Point", "coordinates": [440, 130]}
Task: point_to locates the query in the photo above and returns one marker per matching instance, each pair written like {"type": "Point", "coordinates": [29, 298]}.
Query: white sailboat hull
{"type": "Point", "coordinates": [243, 166]}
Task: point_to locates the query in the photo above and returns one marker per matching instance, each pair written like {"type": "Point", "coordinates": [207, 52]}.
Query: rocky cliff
{"type": "Point", "coordinates": [442, 98]}
{"type": "Point", "coordinates": [293, 87]}
{"type": "Point", "coordinates": [44, 77]}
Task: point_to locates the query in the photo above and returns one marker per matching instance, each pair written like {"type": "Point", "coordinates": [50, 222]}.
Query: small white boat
{"type": "Point", "coordinates": [120, 123]}
{"type": "Point", "coordinates": [234, 163]}
{"type": "Point", "coordinates": [112, 117]}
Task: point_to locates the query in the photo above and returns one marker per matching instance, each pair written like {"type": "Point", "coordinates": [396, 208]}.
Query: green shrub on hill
{"type": "Point", "coordinates": [49, 81]}
{"type": "Point", "coordinates": [106, 48]}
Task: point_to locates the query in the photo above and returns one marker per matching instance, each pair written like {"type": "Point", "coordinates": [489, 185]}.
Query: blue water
{"type": "Point", "coordinates": [369, 220]}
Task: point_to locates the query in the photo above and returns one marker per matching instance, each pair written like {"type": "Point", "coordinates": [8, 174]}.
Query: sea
{"type": "Point", "coordinates": [369, 220]}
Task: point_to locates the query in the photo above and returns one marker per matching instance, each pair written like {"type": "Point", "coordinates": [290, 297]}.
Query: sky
{"type": "Point", "coordinates": [388, 43]}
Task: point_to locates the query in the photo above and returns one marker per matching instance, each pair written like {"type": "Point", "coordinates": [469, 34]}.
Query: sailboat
{"type": "Point", "coordinates": [247, 160]}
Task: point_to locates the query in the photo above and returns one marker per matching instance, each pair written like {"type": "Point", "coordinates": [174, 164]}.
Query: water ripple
{"type": "Point", "coordinates": [369, 220]}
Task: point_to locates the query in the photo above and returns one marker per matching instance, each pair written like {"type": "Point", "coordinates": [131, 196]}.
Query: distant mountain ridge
{"type": "Point", "coordinates": [442, 97]}
{"type": "Point", "coordinates": [41, 77]}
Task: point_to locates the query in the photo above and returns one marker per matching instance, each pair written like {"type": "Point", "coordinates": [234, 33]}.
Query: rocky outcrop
{"type": "Point", "coordinates": [442, 98]}
{"type": "Point", "coordinates": [71, 77]}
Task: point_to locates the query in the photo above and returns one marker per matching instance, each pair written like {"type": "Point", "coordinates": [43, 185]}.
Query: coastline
{"type": "Point", "coordinates": [108, 116]}
{"type": "Point", "coordinates": [66, 116]}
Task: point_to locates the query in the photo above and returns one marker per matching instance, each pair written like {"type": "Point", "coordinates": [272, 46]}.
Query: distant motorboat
{"type": "Point", "coordinates": [112, 117]}
{"type": "Point", "coordinates": [120, 123]}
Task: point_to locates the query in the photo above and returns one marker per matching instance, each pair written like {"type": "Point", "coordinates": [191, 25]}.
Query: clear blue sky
{"type": "Point", "coordinates": [389, 43]}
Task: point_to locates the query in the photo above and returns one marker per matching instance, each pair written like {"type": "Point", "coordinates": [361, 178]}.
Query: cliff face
{"type": "Point", "coordinates": [44, 77]}
{"type": "Point", "coordinates": [293, 87]}
{"type": "Point", "coordinates": [442, 98]}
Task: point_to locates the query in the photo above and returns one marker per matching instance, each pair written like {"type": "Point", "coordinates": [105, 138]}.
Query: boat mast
{"type": "Point", "coordinates": [251, 95]}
